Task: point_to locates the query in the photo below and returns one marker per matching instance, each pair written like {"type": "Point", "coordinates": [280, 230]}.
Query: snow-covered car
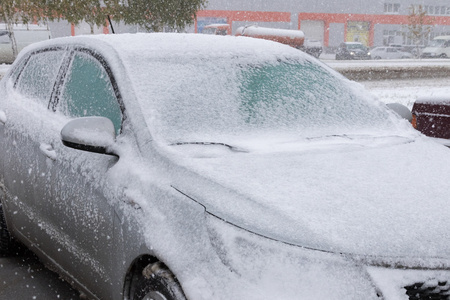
{"type": "Point", "coordinates": [438, 48]}
{"type": "Point", "coordinates": [177, 166]}
{"type": "Point", "coordinates": [312, 47]}
{"type": "Point", "coordinates": [389, 53]}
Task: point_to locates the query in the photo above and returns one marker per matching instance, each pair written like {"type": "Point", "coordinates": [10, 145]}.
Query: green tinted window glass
{"type": "Point", "coordinates": [88, 91]}
{"type": "Point", "coordinates": [37, 79]}
{"type": "Point", "coordinates": [300, 93]}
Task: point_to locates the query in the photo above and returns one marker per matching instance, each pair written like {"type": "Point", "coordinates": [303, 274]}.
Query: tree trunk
{"type": "Point", "coordinates": [12, 38]}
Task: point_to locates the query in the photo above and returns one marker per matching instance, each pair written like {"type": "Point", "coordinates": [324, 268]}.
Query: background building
{"type": "Point", "coordinates": [373, 23]}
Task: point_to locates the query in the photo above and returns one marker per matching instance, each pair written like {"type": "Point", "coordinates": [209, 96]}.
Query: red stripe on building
{"type": "Point", "coordinates": [327, 18]}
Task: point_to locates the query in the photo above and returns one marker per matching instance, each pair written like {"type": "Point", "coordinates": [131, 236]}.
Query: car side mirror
{"type": "Point", "coordinates": [93, 134]}
{"type": "Point", "coordinates": [401, 110]}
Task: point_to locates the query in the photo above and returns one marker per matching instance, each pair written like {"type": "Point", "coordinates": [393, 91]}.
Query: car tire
{"type": "Point", "coordinates": [377, 57]}
{"type": "Point", "coordinates": [156, 282]}
{"type": "Point", "coordinates": [7, 245]}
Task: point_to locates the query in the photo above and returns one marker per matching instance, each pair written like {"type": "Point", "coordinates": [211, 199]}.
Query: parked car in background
{"type": "Point", "coordinates": [389, 53]}
{"type": "Point", "coordinates": [352, 50]}
{"type": "Point", "coordinates": [415, 50]}
{"type": "Point", "coordinates": [312, 47]}
{"type": "Point", "coordinates": [24, 35]}
{"type": "Point", "coordinates": [439, 47]}
{"type": "Point", "coordinates": [188, 166]}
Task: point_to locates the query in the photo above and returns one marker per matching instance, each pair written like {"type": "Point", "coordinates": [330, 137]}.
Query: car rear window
{"type": "Point", "coordinates": [37, 79]}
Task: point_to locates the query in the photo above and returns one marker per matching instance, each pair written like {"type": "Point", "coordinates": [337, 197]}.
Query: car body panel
{"type": "Point", "coordinates": [389, 53]}
{"type": "Point", "coordinates": [323, 228]}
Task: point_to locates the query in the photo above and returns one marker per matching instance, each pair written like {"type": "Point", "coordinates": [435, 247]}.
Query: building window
{"type": "Point", "coordinates": [392, 37]}
{"type": "Point", "coordinates": [436, 10]}
{"type": "Point", "coordinates": [391, 8]}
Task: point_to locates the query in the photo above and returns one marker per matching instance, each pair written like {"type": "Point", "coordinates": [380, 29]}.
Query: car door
{"type": "Point", "coordinates": [392, 53]}
{"type": "Point", "coordinates": [26, 158]}
{"type": "Point", "coordinates": [446, 49]}
{"type": "Point", "coordinates": [84, 215]}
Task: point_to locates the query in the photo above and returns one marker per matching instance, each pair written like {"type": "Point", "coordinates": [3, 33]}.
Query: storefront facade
{"type": "Point", "coordinates": [371, 22]}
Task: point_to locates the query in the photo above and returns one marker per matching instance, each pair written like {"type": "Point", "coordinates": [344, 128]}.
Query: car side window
{"type": "Point", "coordinates": [37, 78]}
{"type": "Point", "coordinates": [88, 91]}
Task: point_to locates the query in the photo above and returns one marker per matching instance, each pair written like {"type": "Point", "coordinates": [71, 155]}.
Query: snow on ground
{"type": "Point", "coordinates": [388, 63]}
{"type": "Point", "coordinates": [406, 91]}
{"type": "Point", "coordinates": [4, 68]}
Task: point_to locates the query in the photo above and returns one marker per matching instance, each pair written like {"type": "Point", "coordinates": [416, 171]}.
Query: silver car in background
{"type": "Point", "coordinates": [177, 166]}
{"type": "Point", "coordinates": [389, 53]}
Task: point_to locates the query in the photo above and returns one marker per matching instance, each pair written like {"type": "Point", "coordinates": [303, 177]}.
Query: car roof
{"type": "Point", "coordinates": [165, 45]}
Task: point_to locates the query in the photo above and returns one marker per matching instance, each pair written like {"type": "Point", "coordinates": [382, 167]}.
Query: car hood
{"type": "Point", "coordinates": [389, 199]}
{"type": "Point", "coordinates": [358, 51]}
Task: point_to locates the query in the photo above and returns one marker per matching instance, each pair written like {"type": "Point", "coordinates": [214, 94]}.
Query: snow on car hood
{"type": "Point", "coordinates": [388, 199]}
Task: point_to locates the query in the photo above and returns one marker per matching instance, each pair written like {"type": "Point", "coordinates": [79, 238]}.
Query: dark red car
{"type": "Point", "coordinates": [431, 116]}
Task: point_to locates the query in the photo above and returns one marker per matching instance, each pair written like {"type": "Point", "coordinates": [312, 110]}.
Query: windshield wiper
{"type": "Point", "coordinates": [232, 148]}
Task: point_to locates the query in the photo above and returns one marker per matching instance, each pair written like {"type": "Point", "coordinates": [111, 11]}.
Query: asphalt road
{"type": "Point", "coordinates": [24, 277]}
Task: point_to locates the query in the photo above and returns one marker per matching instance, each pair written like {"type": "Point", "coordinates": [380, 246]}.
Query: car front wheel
{"type": "Point", "coordinates": [155, 282]}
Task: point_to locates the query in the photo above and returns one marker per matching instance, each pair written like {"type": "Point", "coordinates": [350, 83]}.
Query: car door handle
{"type": "Point", "coordinates": [2, 117]}
{"type": "Point", "coordinates": [48, 150]}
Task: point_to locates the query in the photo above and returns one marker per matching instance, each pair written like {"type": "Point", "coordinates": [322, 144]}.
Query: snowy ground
{"type": "Point", "coordinates": [404, 91]}
{"type": "Point", "coordinates": [3, 69]}
{"type": "Point", "coordinates": [407, 91]}
{"type": "Point", "coordinates": [24, 277]}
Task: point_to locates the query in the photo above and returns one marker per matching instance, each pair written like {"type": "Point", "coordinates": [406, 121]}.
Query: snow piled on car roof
{"type": "Point", "coordinates": [169, 44]}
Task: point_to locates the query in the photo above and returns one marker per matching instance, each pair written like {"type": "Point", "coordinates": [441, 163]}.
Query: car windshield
{"type": "Point", "coordinates": [219, 101]}
{"type": "Point", "coordinates": [437, 43]}
{"type": "Point", "coordinates": [355, 46]}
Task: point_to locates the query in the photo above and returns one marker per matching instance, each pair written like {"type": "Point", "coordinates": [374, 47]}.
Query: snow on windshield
{"type": "Point", "coordinates": [210, 100]}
